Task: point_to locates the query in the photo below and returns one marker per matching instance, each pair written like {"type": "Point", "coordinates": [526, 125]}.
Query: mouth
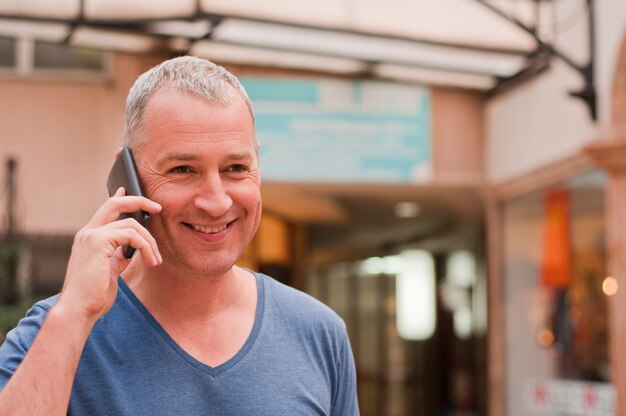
{"type": "Point", "coordinates": [208, 230]}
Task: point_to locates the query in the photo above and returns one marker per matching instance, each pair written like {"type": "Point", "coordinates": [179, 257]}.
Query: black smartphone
{"type": "Point", "coordinates": [124, 174]}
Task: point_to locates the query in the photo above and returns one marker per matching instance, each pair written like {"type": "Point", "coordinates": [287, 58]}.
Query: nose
{"type": "Point", "coordinates": [213, 197]}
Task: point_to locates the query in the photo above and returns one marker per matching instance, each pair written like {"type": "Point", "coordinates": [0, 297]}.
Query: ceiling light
{"type": "Point", "coordinates": [416, 296]}
{"type": "Point", "coordinates": [407, 209]}
{"type": "Point", "coordinates": [610, 286]}
{"type": "Point", "coordinates": [461, 269]}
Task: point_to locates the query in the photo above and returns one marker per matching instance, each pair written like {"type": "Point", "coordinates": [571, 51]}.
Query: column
{"type": "Point", "coordinates": [609, 153]}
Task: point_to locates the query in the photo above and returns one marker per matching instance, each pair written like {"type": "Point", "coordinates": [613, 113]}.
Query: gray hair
{"type": "Point", "coordinates": [195, 75]}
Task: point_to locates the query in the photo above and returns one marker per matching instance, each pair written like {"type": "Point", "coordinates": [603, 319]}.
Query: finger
{"type": "Point", "coordinates": [119, 233]}
{"type": "Point", "coordinates": [148, 250]}
{"type": "Point", "coordinates": [118, 263]}
{"type": "Point", "coordinates": [133, 237]}
{"type": "Point", "coordinates": [118, 204]}
{"type": "Point", "coordinates": [132, 223]}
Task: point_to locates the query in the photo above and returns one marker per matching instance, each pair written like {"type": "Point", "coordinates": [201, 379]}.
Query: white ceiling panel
{"type": "Point", "coordinates": [472, 43]}
{"type": "Point", "coordinates": [275, 59]}
{"type": "Point", "coordinates": [58, 9]}
{"type": "Point", "coordinates": [323, 13]}
{"type": "Point", "coordinates": [181, 28]}
{"type": "Point", "coordinates": [430, 77]}
{"type": "Point", "coordinates": [455, 21]}
{"type": "Point", "coordinates": [102, 39]}
{"type": "Point", "coordinates": [52, 32]}
{"type": "Point", "coordinates": [137, 9]}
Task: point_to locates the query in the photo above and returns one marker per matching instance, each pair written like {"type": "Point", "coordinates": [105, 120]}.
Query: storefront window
{"type": "Point", "coordinates": [29, 57]}
{"type": "Point", "coordinates": [57, 56]}
{"type": "Point", "coordinates": [413, 329]}
{"type": "Point", "coordinates": [7, 52]}
{"type": "Point", "coordinates": [555, 300]}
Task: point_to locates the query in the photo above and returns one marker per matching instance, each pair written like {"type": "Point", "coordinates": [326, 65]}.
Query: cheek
{"type": "Point", "coordinates": [259, 212]}
{"type": "Point", "coordinates": [250, 196]}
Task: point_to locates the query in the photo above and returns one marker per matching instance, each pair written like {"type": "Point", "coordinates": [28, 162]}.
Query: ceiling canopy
{"type": "Point", "coordinates": [486, 45]}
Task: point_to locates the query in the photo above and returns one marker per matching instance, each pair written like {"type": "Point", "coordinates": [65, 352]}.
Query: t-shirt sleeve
{"type": "Point", "coordinates": [18, 341]}
{"type": "Point", "coordinates": [345, 402]}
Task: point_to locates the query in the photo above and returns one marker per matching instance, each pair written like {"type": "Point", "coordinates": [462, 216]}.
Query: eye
{"type": "Point", "coordinates": [180, 169]}
{"type": "Point", "coordinates": [237, 168]}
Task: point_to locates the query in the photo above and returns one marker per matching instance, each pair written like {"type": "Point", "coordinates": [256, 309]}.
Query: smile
{"type": "Point", "coordinates": [209, 230]}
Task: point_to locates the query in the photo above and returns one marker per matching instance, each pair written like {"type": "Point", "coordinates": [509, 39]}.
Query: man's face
{"type": "Point", "coordinates": [199, 161]}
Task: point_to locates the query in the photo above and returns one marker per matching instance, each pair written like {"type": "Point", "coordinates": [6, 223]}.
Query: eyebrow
{"type": "Point", "coordinates": [190, 157]}
{"type": "Point", "coordinates": [240, 156]}
{"type": "Point", "coordinates": [184, 157]}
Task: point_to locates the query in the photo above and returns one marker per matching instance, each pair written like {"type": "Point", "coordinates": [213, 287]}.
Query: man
{"type": "Point", "coordinates": [182, 331]}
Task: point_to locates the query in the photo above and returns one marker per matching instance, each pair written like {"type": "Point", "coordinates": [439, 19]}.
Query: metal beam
{"type": "Point", "coordinates": [586, 71]}
{"type": "Point", "coordinates": [537, 64]}
{"type": "Point", "coordinates": [216, 19]}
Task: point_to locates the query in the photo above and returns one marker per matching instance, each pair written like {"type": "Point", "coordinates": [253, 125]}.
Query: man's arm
{"type": "Point", "coordinates": [43, 382]}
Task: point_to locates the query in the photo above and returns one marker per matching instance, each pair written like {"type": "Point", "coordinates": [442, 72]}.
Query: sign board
{"type": "Point", "coordinates": [569, 398]}
{"type": "Point", "coordinates": [322, 130]}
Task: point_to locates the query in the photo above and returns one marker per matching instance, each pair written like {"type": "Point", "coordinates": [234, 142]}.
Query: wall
{"type": "Point", "coordinates": [458, 137]}
{"type": "Point", "coordinates": [64, 135]}
{"type": "Point", "coordinates": [538, 123]}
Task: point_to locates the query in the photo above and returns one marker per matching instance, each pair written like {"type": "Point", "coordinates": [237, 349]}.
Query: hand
{"type": "Point", "coordinates": [97, 260]}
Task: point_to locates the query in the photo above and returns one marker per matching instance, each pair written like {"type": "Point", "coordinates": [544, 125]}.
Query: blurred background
{"type": "Point", "coordinates": [449, 176]}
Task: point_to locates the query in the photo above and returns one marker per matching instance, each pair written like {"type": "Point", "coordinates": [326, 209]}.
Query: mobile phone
{"type": "Point", "coordinates": [124, 174]}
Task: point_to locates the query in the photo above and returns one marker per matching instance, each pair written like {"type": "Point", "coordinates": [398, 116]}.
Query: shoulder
{"type": "Point", "coordinates": [312, 338]}
{"type": "Point", "coordinates": [36, 314]}
{"type": "Point", "coordinates": [295, 306]}
{"type": "Point", "coordinates": [19, 339]}
{"type": "Point", "coordinates": [29, 325]}
{"type": "Point", "coordinates": [297, 301]}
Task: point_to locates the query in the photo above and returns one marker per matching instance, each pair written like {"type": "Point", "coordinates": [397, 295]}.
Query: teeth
{"type": "Point", "coordinates": [208, 230]}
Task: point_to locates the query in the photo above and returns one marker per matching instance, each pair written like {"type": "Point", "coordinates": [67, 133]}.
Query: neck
{"type": "Point", "coordinates": [167, 294]}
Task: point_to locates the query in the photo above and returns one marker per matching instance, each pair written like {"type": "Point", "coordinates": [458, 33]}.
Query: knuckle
{"type": "Point", "coordinates": [131, 234]}
{"type": "Point", "coordinates": [81, 235]}
{"type": "Point", "coordinates": [132, 223]}
{"type": "Point", "coordinates": [86, 237]}
{"type": "Point", "coordinates": [114, 200]}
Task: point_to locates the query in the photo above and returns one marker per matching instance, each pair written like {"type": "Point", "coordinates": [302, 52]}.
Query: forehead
{"type": "Point", "coordinates": [173, 102]}
{"type": "Point", "coordinates": [173, 116]}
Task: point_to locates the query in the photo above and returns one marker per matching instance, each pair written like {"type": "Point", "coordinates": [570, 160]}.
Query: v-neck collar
{"type": "Point", "coordinates": [213, 371]}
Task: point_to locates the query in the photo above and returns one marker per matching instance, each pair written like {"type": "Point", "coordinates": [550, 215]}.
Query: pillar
{"type": "Point", "coordinates": [609, 153]}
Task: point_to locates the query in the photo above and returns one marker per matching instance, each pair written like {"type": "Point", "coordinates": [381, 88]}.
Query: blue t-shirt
{"type": "Point", "coordinates": [296, 361]}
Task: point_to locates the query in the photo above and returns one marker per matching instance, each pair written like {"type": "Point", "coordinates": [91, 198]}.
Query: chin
{"type": "Point", "coordinates": [198, 262]}
{"type": "Point", "coordinates": [206, 267]}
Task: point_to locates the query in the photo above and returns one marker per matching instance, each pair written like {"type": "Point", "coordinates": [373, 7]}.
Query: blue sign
{"type": "Point", "coordinates": [319, 130]}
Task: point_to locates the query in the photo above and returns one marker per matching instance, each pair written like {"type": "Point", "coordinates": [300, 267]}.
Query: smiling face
{"type": "Point", "coordinates": [199, 161]}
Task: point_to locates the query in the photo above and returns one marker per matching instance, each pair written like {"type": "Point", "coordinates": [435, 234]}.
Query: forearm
{"type": "Point", "coordinates": [43, 382]}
